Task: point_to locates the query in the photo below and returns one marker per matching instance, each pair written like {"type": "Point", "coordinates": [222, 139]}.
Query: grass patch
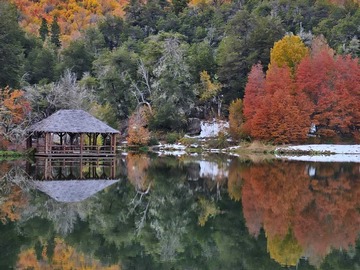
{"type": "Point", "coordinates": [172, 137]}
{"type": "Point", "coordinates": [219, 142]}
{"type": "Point", "coordinates": [256, 147]}
{"type": "Point", "coordinates": [188, 141]}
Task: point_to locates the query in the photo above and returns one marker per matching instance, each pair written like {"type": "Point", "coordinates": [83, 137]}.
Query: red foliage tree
{"type": "Point", "coordinates": [254, 92]}
{"type": "Point", "coordinates": [280, 115]}
{"type": "Point", "coordinates": [332, 87]}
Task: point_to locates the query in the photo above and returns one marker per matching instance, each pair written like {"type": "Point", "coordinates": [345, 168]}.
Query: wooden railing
{"type": "Point", "coordinates": [76, 150]}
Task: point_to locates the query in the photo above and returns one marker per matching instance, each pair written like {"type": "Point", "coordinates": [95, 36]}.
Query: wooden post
{"type": "Point", "coordinates": [81, 164]}
{"type": "Point", "coordinates": [113, 143]}
{"type": "Point", "coordinates": [113, 169]}
{"type": "Point", "coordinates": [29, 142]}
{"type": "Point", "coordinates": [46, 142]}
{"type": "Point", "coordinates": [81, 143]}
{"type": "Point", "coordinates": [51, 139]}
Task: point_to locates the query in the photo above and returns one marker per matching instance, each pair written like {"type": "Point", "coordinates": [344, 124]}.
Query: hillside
{"type": "Point", "coordinates": [277, 69]}
{"type": "Point", "coordinates": [73, 15]}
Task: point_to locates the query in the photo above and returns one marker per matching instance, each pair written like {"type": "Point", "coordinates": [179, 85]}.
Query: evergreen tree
{"type": "Point", "coordinates": [11, 46]}
{"type": "Point", "coordinates": [55, 33]}
{"type": "Point", "coordinates": [44, 30]}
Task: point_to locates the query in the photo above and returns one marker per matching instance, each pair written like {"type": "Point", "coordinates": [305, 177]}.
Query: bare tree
{"type": "Point", "coordinates": [67, 93]}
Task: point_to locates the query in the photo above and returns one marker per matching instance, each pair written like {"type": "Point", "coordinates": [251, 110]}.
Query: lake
{"type": "Point", "coordinates": [139, 211]}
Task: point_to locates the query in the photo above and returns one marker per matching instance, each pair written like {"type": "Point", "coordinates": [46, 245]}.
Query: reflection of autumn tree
{"type": "Point", "coordinates": [13, 199]}
{"type": "Point", "coordinates": [332, 220]}
{"type": "Point", "coordinates": [65, 257]}
{"type": "Point", "coordinates": [208, 209]}
{"type": "Point", "coordinates": [277, 190]}
{"type": "Point", "coordinates": [318, 203]}
{"type": "Point", "coordinates": [285, 250]}
{"type": "Point", "coordinates": [234, 180]}
{"type": "Point", "coordinates": [12, 204]}
{"type": "Point", "coordinates": [137, 166]}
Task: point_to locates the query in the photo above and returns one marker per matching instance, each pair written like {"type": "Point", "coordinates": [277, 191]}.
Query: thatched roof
{"type": "Point", "coordinates": [72, 121]}
{"type": "Point", "coordinates": [72, 190]}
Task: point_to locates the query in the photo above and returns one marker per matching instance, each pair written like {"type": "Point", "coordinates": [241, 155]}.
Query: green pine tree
{"type": "Point", "coordinates": [44, 30]}
{"type": "Point", "coordinates": [55, 33]}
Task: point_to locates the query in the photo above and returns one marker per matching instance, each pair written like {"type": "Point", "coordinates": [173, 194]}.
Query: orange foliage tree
{"type": "Point", "coordinates": [138, 133]}
{"type": "Point", "coordinates": [73, 15]}
{"type": "Point", "coordinates": [14, 109]}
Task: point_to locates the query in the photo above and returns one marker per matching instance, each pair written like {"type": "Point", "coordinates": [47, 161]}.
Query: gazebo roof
{"type": "Point", "coordinates": [72, 121]}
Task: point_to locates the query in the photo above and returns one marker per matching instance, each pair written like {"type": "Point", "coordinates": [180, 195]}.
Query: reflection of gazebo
{"type": "Point", "coordinates": [73, 168]}
{"type": "Point", "coordinates": [72, 190]}
{"type": "Point", "coordinates": [72, 133]}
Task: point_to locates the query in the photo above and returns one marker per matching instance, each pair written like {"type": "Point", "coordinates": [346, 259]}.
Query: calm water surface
{"type": "Point", "coordinates": [149, 212]}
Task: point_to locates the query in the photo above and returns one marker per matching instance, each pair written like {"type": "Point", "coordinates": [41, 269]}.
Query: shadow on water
{"type": "Point", "coordinates": [147, 212]}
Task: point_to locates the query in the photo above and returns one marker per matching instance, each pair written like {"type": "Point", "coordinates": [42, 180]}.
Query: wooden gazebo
{"type": "Point", "coordinates": [72, 133]}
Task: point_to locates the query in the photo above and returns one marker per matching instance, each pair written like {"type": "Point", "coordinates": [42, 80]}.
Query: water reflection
{"type": "Point", "coordinates": [308, 208]}
{"type": "Point", "coordinates": [213, 212]}
{"type": "Point", "coordinates": [73, 168]}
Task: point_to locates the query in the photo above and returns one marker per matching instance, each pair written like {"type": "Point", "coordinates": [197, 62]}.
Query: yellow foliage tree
{"type": "Point", "coordinates": [236, 119]}
{"type": "Point", "coordinates": [209, 89]}
{"type": "Point", "coordinates": [288, 51]}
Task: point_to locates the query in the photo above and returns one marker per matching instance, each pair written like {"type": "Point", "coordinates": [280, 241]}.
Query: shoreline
{"type": "Point", "coordinates": [310, 152]}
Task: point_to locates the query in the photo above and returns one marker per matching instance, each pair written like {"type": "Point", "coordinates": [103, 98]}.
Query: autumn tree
{"type": "Point", "coordinates": [236, 119]}
{"type": "Point", "coordinates": [279, 115]}
{"type": "Point", "coordinates": [332, 87]}
{"type": "Point", "coordinates": [254, 93]}
{"type": "Point", "coordinates": [209, 90]}
{"type": "Point", "coordinates": [138, 133]}
{"type": "Point", "coordinates": [14, 109]}
{"type": "Point", "coordinates": [288, 52]}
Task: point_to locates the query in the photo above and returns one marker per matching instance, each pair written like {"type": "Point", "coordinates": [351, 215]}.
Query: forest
{"type": "Point", "coordinates": [280, 71]}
